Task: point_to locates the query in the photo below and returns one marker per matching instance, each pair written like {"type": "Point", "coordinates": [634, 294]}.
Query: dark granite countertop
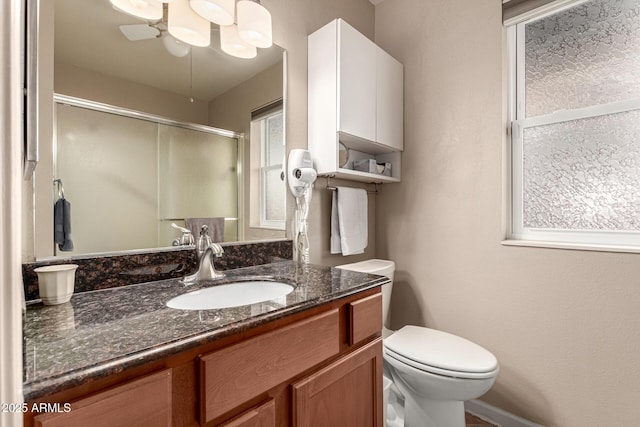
{"type": "Point", "coordinates": [99, 333]}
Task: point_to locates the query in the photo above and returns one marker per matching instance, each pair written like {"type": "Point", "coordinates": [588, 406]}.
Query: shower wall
{"type": "Point", "coordinates": [128, 179]}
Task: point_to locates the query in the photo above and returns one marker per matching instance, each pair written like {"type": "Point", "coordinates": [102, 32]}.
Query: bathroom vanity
{"type": "Point", "coordinates": [120, 357]}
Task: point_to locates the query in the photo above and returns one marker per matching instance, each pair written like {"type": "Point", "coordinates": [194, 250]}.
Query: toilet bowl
{"type": "Point", "coordinates": [435, 371]}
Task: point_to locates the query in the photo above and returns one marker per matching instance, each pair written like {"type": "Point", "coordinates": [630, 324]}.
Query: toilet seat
{"type": "Point", "coordinates": [440, 353]}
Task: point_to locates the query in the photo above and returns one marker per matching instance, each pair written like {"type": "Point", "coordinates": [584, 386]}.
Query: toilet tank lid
{"type": "Point", "coordinates": [383, 267]}
{"type": "Point", "coordinates": [441, 350]}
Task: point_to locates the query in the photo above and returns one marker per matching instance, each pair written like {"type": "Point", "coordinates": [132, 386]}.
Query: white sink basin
{"type": "Point", "coordinates": [230, 295]}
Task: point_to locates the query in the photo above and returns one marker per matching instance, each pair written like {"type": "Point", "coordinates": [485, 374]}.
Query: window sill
{"type": "Point", "coordinates": [268, 227]}
{"type": "Point", "coordinates": [572, 246]}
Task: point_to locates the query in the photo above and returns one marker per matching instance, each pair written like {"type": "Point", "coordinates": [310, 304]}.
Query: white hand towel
{"type": "Point", "coordinates": [349, 228]}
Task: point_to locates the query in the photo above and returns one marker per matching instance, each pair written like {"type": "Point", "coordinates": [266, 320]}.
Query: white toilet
{"type": "Point", "coordinates": [435, 371]}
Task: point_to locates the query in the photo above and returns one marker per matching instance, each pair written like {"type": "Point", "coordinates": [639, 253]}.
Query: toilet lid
{"type": "Point", "coordinates": [424, 348]}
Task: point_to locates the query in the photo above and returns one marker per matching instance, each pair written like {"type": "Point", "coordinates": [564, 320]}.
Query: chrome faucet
{"type": "Point", "coordinates": [206, 270]}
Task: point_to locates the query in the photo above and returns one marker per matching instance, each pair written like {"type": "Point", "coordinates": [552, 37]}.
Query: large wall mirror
{"type": "Point", "coordinates": [145, 134]}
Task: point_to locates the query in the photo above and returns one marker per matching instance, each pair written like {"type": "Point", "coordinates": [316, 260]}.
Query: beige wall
{"type": "Point", "coordinates": [293, 21]}
{"type": "Point", "coordinates": [232, 110]}
{"type": "Point", "coordinates": [85, 84]}
{"type": "Point", "coordinates": [563, 324]}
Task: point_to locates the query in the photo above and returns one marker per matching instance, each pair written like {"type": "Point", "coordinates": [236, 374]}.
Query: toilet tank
{"type": "Point", "coordinates": [381, 267]}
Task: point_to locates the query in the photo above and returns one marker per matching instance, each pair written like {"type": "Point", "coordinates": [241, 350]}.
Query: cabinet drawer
{"type": "Point", "coordinates": [365, 318]}
{"type": "Point", "coordinates": [142, 402]}
{"type": "Point", "coordinates": [236, 374]}
{"type": "Point", "coordinates": [260, 416]}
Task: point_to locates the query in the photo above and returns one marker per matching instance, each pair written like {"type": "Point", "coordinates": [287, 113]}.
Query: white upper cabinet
{"type": "Point", "coordinates": [356, 83]}
{"type": "Point", "coordinates": [355, 97]}
{"type": "Point", "coordinates": [389, 100]}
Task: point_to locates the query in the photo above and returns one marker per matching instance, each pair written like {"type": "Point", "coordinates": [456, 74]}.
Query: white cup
{"type": "Point", "coordinates": [56, 282]}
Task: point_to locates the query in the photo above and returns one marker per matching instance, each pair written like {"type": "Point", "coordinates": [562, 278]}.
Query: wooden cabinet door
{"type": "Point", "coordinates": [236, 374]}
{"type": "Point", "coordinates": [142, 402]}
{"type": "Point", "coordinates": [346, 393]}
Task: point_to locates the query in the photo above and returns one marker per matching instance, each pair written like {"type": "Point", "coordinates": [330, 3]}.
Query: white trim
{"type": "Point", "coordinates": [582, 237]}
{"type": "Point", "coordinates": [11, 139]}
{"type": "Point", "coordinates": [542, 11]}
{"type": "Point", "coordinates": [571, 246]}
{"type": "Point", "coordinates": [265, 143]}
{"type": "Point", "coordinates": [579, 113]}
{"type": "Point", "coordinates": [518, 43]}
{"type": "Point", "coordinates": [625, 241]}
{"type": "Point", "coordinates": [496, 415]}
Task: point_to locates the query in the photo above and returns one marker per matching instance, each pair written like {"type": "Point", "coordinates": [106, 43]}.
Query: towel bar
{"type": "Point", "coordinates": [331, 188]}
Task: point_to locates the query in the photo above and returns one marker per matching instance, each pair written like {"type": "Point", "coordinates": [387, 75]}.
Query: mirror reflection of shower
{"type": "Point", "coordinates": [129, 178]}
{"type": "Point", "coordinates": [301, 176]}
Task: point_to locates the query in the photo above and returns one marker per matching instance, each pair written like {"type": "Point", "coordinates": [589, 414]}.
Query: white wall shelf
{"type": "Point", "coordinates": [370, 178]}
{"type": "Point", "coordinates": [355, 95]}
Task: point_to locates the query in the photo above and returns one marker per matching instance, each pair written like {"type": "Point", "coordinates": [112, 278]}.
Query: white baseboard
{"type": "Point", "coordinates": [496, 415]}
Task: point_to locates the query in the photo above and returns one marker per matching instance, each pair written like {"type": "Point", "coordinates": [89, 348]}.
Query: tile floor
{"type": "Point", "coordinates": [473, 421]}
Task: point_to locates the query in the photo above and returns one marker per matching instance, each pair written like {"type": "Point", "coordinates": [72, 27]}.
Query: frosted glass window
{"type": "Point", "coordinates": [275, 140]}
{"type": "Point", "coordinates": [275, 203]}
{"type": "Point", "coordinates": [583, 56]}
{"type": "Point", "coordinates": [272, 192]}
{"type": "Point", "coordinates": [575, 84]}
{"type": "Point", "coordinates": [583, 174]}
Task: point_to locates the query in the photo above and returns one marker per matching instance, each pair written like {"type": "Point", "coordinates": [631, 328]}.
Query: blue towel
{"type": "Point", "coordinates": [62, 225]}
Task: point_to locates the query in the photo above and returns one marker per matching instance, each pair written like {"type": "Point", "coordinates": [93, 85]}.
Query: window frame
{"type": "Point", "coordinates": [264, 169]}
{"type": "Point", "coordinates": [516, 233]}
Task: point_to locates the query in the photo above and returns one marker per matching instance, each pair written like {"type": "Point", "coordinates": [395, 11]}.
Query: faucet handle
{"type": "Point", "coordinates": [186, 238]}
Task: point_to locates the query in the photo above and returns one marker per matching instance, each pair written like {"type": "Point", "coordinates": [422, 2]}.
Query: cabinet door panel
{"type": "Point", "coordinates": [356, 83]}
{"type": "Point", "coordinates": [142, 402]}
{"type": "Point", "coordinates": [348, 392]}
{"type": "Point", "coordinates": [236, 374]}
{"type": "Point", "coordinates": [390, 82]}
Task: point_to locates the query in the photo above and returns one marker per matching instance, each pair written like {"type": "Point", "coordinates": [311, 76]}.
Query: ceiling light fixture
{"type": "Point", "coordinates": [187, 26]}
{"type": "Point", "coordinates": [221, 12]}
{"type": "Point", "coordinates": [146, 9]}
{"type": "Point", "coordinates": [254, 23]}
{"type": "Point", "coordinates": [244, 25]}
{"type": "Point", "coordinates": [234, 45]}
